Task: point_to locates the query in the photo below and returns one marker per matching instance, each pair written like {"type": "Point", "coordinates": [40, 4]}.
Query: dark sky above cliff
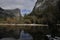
{"type": "Point", "coordinates": [25, 5]}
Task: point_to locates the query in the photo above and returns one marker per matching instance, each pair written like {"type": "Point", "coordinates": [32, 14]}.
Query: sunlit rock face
{"type": "Point", "coordinates": [46, 10]}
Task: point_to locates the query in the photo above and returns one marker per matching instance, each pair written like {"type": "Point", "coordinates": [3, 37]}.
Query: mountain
{"type": "Point", "coordinates": [13, 13]}
{"type": "Point", "coordinates": [2, 13]}
{"type": "Point", "coordinates": [10, 15]}
{"type": "Point", "coordinates": [47, 11]}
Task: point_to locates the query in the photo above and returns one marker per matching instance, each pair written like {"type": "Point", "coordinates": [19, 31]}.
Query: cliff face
{"type": "Point", "coordinates": [10, 15]}
{"type": "Point", "coordinates": [2, 12]}
{"type": "Point", "coordinates": [42, 5]}
{"type": "Point", "coordinates": [46, 10]}
{"type": "Point", "coordinates": [14, 13]}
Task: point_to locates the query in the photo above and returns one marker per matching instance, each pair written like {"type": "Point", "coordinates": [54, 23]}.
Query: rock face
{"type": "Point", "coordinates": [46, 10]}
{"type": "Point", "coordinates": [15, 12]}
{"type": "Point", "coordinates": [10, 15]}
{"type": "Point", "coordinates": [42, 5]}
{"type": "Point", "coordinates": [2, 12]}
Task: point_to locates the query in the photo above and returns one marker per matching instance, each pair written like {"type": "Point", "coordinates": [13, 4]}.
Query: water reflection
{"type": "Point", "coordinates": [8, 39]}
{"type": "Point", "coordinates": [25, 36]}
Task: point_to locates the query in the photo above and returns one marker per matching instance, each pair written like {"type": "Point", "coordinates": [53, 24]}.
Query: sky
{"type": "Point", "coordinates": [26, 6]}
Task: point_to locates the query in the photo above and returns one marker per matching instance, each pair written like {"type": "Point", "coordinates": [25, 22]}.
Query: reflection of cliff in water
{"type": "Point", "coordinates": [25, 36]}
{"type": "Point", "coordinates": [16, 33]}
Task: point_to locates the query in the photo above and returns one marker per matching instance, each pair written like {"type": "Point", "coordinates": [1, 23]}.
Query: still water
{"type": "Point", "coordinates": [27, 36]}
{"type": "Point", "coordinates": [23, 36]}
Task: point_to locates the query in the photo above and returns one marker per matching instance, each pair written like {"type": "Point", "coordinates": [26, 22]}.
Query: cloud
{"type": "Point", "coordinates": [21, 4]}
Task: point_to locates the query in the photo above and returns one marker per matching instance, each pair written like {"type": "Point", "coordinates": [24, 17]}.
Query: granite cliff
{"type": "Point", "coordinates": [10, 15]}
{"type": "Point", "coordinates": [47, 10]}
